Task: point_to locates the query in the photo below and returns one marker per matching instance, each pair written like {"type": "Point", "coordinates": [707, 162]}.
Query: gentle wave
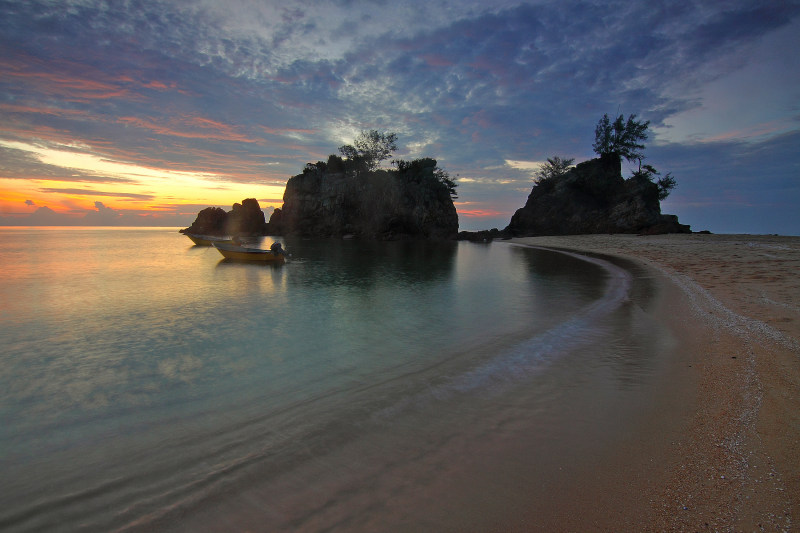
{"type": "Point", "coordinates": [535, 353]}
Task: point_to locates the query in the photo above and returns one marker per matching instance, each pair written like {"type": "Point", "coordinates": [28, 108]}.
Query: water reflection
{"type": "Point", "coordinates": [639, 340]}
{"type": "Point", "coordinates": [144, 377]}
{"type": "Point", "coordinates": [365, 264]}
{"type": "Point", "coordinates": [631, 341]}
{"type": "Point", "coordinates": [564, 270]}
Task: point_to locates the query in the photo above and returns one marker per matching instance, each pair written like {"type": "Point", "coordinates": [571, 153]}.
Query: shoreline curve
{"type": "Point", "coordinates": [733, 463]}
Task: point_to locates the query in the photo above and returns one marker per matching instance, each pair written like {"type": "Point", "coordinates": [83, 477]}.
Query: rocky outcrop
{"type": "Point", "coordinates": [593, 197]}
{"type": "Point", "coordinates": [377, 205]}
{"type": "Point", "coordinates": [246, 218]}
{"type": "Point", "coordinates": [486, 235]}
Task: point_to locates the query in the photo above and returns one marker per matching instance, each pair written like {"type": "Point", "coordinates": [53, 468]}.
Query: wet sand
{"type": "Point", "coordinates": [722, 449]}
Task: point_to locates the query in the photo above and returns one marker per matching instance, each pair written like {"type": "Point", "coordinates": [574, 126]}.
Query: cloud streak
{"type": "Point", "coordinates": [89, 192]}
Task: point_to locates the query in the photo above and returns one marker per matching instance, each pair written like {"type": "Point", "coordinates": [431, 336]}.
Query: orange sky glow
{"type": "Point", "coordinates": [122, 185]}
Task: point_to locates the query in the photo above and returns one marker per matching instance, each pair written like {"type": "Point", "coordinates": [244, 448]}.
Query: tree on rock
{"type": "Point", "coordinates": [665, 183]}
{"type": "Point", "coordinates": [553, 168]}
{"type": "Point", "coordinates": [370, 148]}
{"type": "Point", "coordinates": [623, 138]}
{"type": "Point", "coordinates": [426, 169]}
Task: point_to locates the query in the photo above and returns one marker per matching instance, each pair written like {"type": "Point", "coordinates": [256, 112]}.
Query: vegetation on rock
{"type": "Point", "coordinates": [593, 197]}
{"type": "Point", "coordinates": [370, 148]}
{"type": "Point", "coordinates": [352, 196]}
{"type": "Point", "coordinates": [665, 183]}
{"type": "Point", "coordinates": [553, 168]}
{"type": "Point", "coordinates": [625, 138]}
{"type": "Point", "coordinates": [621, 138]}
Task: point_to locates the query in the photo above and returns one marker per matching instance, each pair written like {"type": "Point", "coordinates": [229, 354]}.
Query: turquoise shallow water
{"type": "Point", "coordinates": [147, 383]}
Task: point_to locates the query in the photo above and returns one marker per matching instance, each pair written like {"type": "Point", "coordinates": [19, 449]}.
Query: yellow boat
{"type": "Point", "coordinates": [206, 240]}
{"type": "Point", "coordinates": [235, 252]}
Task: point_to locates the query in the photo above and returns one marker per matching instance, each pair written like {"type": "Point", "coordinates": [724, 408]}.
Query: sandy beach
{"type": "Point", "coordinates": [722, 450]}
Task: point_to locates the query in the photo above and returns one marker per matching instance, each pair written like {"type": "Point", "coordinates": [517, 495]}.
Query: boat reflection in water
{"type": "Point", "coordinates": [206, 240]}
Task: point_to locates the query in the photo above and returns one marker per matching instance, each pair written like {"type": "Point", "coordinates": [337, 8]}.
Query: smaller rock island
{"type": "Point", "coordinates": [593, 197]}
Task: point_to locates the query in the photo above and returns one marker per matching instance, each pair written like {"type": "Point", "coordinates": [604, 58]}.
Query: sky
{"type": "Point", "coordinates": [144, 112]}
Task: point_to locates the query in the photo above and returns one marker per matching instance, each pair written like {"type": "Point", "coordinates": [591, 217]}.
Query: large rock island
{"type": "Point", "coordinates": [332, 200]}
{"type": "Point", "coordinates": [593, 197]}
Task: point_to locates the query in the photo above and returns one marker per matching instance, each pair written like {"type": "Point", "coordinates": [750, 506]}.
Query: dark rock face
{"type": "Point", "coordinates": [483, 235]}
{"type": "Point", "coordinates": [209, 221]}
{"type": "Point", "coordinates": [378, 205]}
{"type": "Point", "coordinates": [593, 197]}
{"type": "Point", "coordinates": [246, 218]}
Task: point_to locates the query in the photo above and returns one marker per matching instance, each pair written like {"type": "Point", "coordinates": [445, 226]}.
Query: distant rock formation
{"type": "Point", "coordinates": [593, 197]}
{"type": "Point", "coordinates": [325, 201]}
{"type": "Point", "coordinates": [486, 235]}
{"type": "Point", "coordinates": [246, 218]}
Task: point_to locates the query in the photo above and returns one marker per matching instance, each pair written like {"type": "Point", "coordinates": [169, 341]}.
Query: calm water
{"type": "Point", "coordinates": [147, 384]}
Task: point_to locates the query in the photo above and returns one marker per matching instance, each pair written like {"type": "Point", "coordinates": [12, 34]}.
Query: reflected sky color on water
{"type": "Point", "coordinates": [147, 382]}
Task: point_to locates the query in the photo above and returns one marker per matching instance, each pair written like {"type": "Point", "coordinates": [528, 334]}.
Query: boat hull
{"type": "Point", "coordinates": [241, 253]}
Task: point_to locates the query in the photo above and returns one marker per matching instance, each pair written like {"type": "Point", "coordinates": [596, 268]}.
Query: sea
{"type": "Point", "coordinates": [148, 384]}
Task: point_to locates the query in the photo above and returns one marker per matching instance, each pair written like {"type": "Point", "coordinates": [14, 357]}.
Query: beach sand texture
{"type": "Point", "coordinates": [732, 461]}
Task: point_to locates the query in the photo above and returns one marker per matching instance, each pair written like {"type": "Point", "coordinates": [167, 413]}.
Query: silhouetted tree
{"type": "Point", "coordinates": [553, 168]}
{"type": "Point", "coordinates": [335, 164]}
{"type": "Point", "coordinates": [426, 170]}
{"type": "Point", "coordinates": [444, 178]}
{"type": "Point", "coordinates": [319, 166]}
{"type": "Point", "coordinates": [623, 138]}
{"type": "Point", "coordinates": [370, 148]}
{"type": "Point", "coordinates": [665, 183]}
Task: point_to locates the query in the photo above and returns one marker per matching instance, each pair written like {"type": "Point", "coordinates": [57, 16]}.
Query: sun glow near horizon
{"type": "Point", "coordinates": [90, 178]}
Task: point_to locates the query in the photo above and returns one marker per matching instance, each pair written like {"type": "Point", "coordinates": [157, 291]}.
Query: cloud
{"type": "Point", "coordinates": [21, 161]}
{"type": "Point", "coordinates": [743, 186]}
{"type": "Point", "coordinates": [90, 192]}
{"type": "Point", "coordinates": [30, 203]}
{"type": "Point", "coordinates": [103, 216]}
{"type": "Point", "coordinates": [170, 216]}
{"type": "Point", "coordinates": [56, 79]}
{"type": "Point", "coordinates": [191, 127]}
{"type": "Point", "coordinates": [742, 104]}
{"type": "Point", "coordinates": [527, 166]}
{"type": "Point", "coordinates": [44, 216]}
